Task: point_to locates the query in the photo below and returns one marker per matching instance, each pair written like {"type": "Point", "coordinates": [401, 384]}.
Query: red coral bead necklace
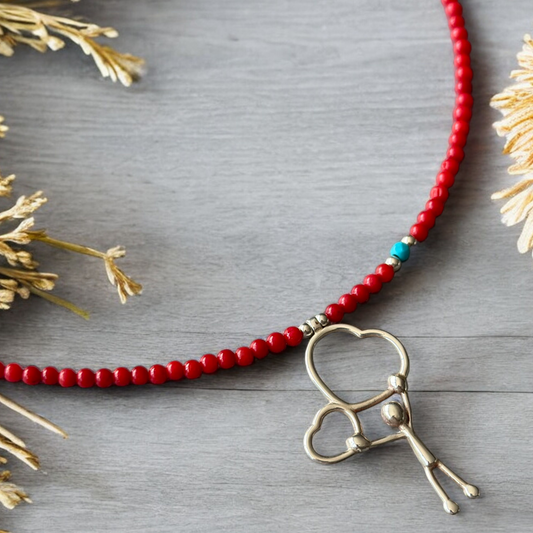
{"type": "Point", "coordinates": [397, 413]}
{"type": "Point", "coordinates": [278, 342]}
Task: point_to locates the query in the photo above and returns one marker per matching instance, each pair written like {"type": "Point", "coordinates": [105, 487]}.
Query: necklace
{"type": "Point", "coordinates": [396, 414]}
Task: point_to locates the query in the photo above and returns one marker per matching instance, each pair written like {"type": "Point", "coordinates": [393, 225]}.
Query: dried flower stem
{"type": "Point", "coordinates": [125, 285]}
{"type": "Point", "coordinates": [71, 247]}
{"type": "Point", "coordinates": [30, 415]}
{"type": "Point", "coordinates": [52, 298]}
{"type": "Point", "coordinates": [12, 437]}
{"type": "Point", "coordinates": [21, 453]}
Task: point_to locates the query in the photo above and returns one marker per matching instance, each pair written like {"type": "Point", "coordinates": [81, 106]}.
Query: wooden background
{"type": "Point", "coordinates": [270, 157]}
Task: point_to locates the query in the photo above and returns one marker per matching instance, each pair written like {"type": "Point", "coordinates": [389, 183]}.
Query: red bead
{"type": "Point", "coordinates": [427, 218]}
{"type": "Point", "coordinates": [226, 359]}
{"type": "Point", "coordinates": [260, 348]}
{"type": "Point", "coordinates": [276, 342]}
{"type": "Point", "coordinates": [455, 152]}
{"type": "Point", "coordinates": [139, 375]}
{"type": "Point", "coordinates": [462, 60]}
{"type": "Point", "coordinates": [49, 375]}
{"type": "Point", "coordinates": [464, 74]}
{"type": "Point", "coordinates": [435, 206]}
{"type": "Point", "coordinates": [461, 127]}
{"type": "Point", "coordinates": [244, 356]}
{"type": "Point", "coordinates": [85, 378]}
{"type": "Point", "coordinates": [103, 378]}
{"type": "Point", "coordinates": [361, 293]}
{"type": "Point", "coordinates": [439, 192]}
{"type": "Point", "coordinates": [373, 283]}
{"type": "Point", "coordinates": [348, 303]}
{"type": "Point", "coordinates": [463, 87]}
{"type": "Point", "coordinates": [462, 112]}
{"type": "Point", "coordinates": [122, 376]}
{"type": "Point", "coordinates": [465, 99]}
{"type": "Point", "coordinates": [293, 336]}
{"type": "Point", "coordinates": [454, 9]}
{"type": "Point", "coordinates": [13, 372]}
{"type": "Point", "coordinates": [2, 369]}
{"type": "Point", "coordinates": [457, 139]}
{"type": "Point", "coordinates": [419, 232]}
{"type": "Point", "coordinates": [459, 33]}
{"type": "Point", "coordinates": [158, 374]}
{"type": "Point", "coordinates": [175, 370]}
{"type": "Point", "coordinates": [334, 312]}
{"type": "Point", "coordinates": [209, 363]}
{"type": "Point", "coordinates": [193, 369]}
{"type": "Point", "coordinates": [446, 179]}
{"type": "Point", "coordinates": [67, 377]}
{"type": "Point", "coordinates": [31, 375]}
{"type": "Point", "coordinates": [462, 46]}
{"type": "Point", "coordinates": [457, 21]}
{"type": "Point", "coordinates": [385, 272]}
{"type": "Point", "coordinates": [451, 164]}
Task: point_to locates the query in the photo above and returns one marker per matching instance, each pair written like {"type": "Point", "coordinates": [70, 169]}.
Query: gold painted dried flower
{"type": "Point", "coordinates": [23, 25]}
{"type": "Point", "coordinates": [18, 269]}
{"type": "Point", "coordinates": [10, 494]}
{"type": "Point", "coordinates": [19, 275]}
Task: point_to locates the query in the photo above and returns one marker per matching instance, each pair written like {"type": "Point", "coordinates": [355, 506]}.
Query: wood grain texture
{"type": "Point", "coordinates": [270, 157]}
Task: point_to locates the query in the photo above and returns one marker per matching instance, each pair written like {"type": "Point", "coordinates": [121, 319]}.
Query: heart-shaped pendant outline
{"type": "Point", "coordinates": [360, 334]}
{"type": "Point", "coordinates": [358, 442]}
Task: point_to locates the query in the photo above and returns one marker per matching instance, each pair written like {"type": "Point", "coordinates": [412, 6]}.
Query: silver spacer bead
{"type": "Point", "coordinates": [313, 325]}
{"type": "Point", "coordinates": [394, 262]}
{"type": "Point", "coordinates": [409, 240]}
{"type": "Point", "coordinates": [323, 319]}
{"type": "Point", "coordinates": [306, 329]}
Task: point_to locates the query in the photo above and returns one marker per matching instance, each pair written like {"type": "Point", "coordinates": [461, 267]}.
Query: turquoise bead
{"type": "Point", "coordinates": [401, 251]}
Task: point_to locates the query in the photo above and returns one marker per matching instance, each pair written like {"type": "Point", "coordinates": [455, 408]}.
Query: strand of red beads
{"type": "Point", "coordinates": [293, 336]}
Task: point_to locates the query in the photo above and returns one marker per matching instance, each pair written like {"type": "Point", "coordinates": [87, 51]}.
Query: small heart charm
{"type": "Point", "coordinates": [355, 444]}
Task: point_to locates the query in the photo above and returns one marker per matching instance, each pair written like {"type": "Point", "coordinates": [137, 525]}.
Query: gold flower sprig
{"type": "Point", "coordinates": [10, 494]}
{"type": "Point", "coordinates": [19, 275]}
{"type": "Point", "coordinates": [23, 25]}
{"type": "Point", "coordinates": [516, 105]}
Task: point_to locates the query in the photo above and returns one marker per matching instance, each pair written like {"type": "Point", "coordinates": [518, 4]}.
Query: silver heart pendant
{"type": "Point", "coordinates": [395, 414]}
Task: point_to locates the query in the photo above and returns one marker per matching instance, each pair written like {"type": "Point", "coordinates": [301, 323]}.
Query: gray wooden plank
{"type": "Point", "coordinates": [264, 165]}
{"type": "Point", "coordinates": [169, 460]}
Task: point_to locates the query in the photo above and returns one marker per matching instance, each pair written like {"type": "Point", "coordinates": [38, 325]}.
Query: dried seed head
{"type": "Point", "coordinates": [10, 494]}
{"type": "Point", "coordinates": [24, 207]}
{"type": "Point", "coordinates": [125, 285]}
{"type": "Point", "coordinates": [5, 184]}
